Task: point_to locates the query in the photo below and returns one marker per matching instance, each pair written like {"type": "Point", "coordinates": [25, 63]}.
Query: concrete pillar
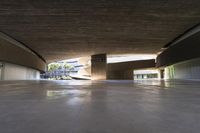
{"type": "Point", "coordinates": [99, 67]}
{"type": "Point", "coordinates": [161, 73]}
{"type": "Point", "coordinates": [1, 70]}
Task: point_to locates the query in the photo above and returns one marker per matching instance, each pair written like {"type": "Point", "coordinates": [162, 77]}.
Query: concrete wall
{"type": "Point", "coordinates": [181, 60]}
{"type": "Point", "coordinates": [124, 70]}
{"type": "Point", "coordinates": [16, 53]}
{"type": "Point", "coordinates": [99, 67]}
{"type": "Point", "coordinates": [17, 72]}
{"type": "Point", "coordinates": [0, 74]}
{"type": "Point", "coordinates": [120, 75]}
{"type": "Point", "coordinates": [19, 61]}
{"type": "Point", "coordinates": [186, 49]}
{"type": "Point", "coordinates": [189, 69]}
{"type": "Point", "coordinates": [1, 69]}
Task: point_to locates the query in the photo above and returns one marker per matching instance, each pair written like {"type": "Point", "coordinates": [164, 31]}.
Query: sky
{"type": "Point", "coordinates": [129, 57]}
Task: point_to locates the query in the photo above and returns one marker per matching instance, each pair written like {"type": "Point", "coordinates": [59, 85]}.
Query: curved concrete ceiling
{"type": "Point", "coordinates": [60, 29]}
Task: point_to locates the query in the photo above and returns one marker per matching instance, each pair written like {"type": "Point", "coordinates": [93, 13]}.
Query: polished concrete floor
{"type": "Point", "coordinates": [99, 107]}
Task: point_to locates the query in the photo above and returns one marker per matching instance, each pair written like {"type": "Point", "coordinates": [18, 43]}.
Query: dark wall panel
{"type": "Point", "coordinates": [188, 48]}
{"type": "Point", "coordinates": [124, 70]}
{"type": "Point", "coordinates": [99, 66]}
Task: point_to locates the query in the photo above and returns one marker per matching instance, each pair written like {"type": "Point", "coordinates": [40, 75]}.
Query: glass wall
{"type": "Point", "coordinates": [146, 74]}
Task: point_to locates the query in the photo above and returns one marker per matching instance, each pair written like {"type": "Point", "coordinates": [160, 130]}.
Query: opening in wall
{"type": "Point", "coordinates": [146, 74]}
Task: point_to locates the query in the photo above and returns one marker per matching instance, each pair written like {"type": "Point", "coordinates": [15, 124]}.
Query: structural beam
{"type": "Point", "coordinates": [184, 48]}
{"type": "Point", "coordinates": [12, 51]}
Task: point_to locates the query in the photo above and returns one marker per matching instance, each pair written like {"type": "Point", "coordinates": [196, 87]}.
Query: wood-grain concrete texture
{"type": "Point", "coordinates": [60, 29]}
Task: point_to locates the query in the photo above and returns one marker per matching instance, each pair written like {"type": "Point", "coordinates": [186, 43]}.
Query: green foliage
{"type": "Point", "coordinates": [61, 78]}
{"type": "Point", "coordinates": [68, 66]}
{"type": "Point", "coordinates": [53, 66]}
{"type": "Point", "coordinates": [66, 78]}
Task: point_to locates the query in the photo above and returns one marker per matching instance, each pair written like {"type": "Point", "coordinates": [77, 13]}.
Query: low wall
{"type": "Point", "coordinates": [189, 69]}
{"type": "Point", "coordinates": [16, 72]}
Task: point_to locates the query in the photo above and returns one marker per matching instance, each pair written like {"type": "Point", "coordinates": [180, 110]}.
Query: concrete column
{"type": "Point", "coordinates": [161, 73]}
{"type": "Point", "coordinates": [99, 67]}
{"type": "Point", "coordinates": [1, 70]}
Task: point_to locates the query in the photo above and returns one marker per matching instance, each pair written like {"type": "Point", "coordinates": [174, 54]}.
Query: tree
{"type": "Point", "coordinates": [53, 66]}
{"type": "Point", "coordinates": [68, 66]}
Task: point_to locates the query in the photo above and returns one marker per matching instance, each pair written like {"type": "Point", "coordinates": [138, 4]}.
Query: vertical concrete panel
{"type": "Point", "coordinates": [1, 69]}
{"type": "Point", "coordinates": [14, 72]}
{"type": "Point", "coordinates": [0, 74]}
{"type": "Point", "coordinates": [32, 74]}
{"type": "Point", "coordinates": [184, 70]}
{"type": "Point", "coordinates": [17, 72]}
{"type": "Point", "coordinates": [99, 66]}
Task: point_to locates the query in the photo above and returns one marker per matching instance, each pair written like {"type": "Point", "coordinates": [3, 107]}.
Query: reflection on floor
{"type": "Point", "coordinates": [99, 106]}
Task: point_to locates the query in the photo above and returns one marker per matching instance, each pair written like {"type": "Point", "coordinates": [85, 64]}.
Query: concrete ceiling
{"type": "Point", "coordinates": [61, 29]}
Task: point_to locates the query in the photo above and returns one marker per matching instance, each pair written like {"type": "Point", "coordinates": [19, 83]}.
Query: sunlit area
{"type": "Point", "coordinates": [129, 57]}
{"type": "Point", "coordinates": [80, 68]}
{"type": "Point", "coordinates": [146, 74]}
